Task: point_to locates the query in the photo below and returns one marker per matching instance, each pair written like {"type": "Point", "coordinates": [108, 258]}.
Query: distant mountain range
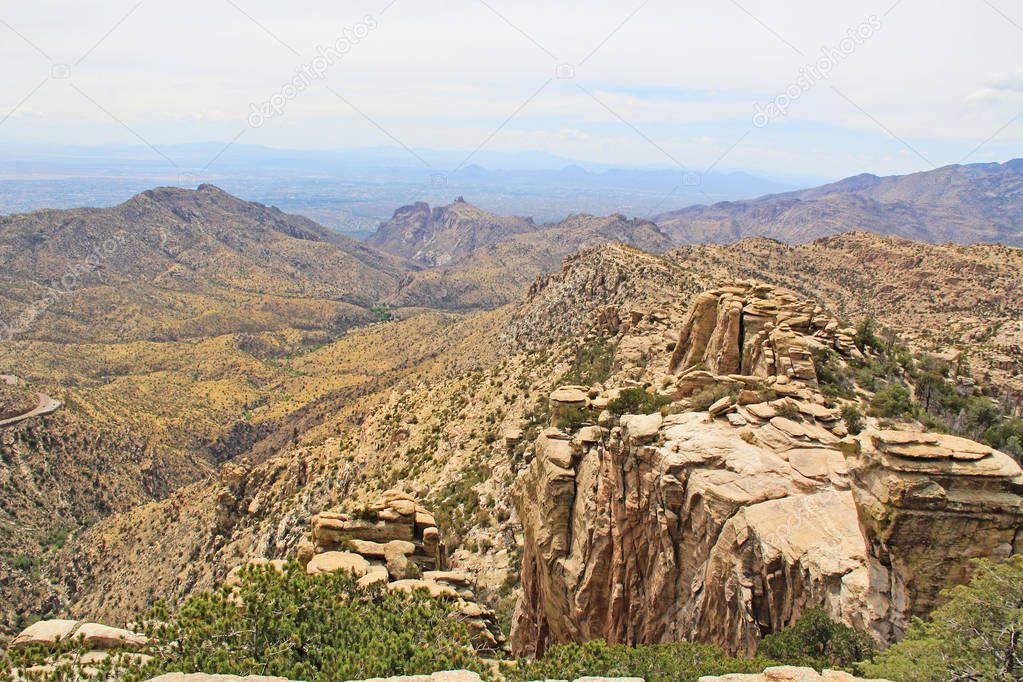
{"type": "Point", "coordinates": [352, 190]}
{"type": "Point", "coordinates": [962, 204]}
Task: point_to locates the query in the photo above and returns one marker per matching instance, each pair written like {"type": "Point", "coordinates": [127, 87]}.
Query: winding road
{"type": "Point", "coordinates": [46, 404]}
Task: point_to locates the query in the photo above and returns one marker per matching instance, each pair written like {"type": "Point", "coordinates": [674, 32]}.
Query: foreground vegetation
{"type": "Point", "coordinates": [295, 626]}
{"type": "Point", "coordinates": [326, 627]}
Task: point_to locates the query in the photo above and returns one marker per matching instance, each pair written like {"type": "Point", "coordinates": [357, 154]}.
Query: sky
{"type": "Point", "coordinates": [824, 89]}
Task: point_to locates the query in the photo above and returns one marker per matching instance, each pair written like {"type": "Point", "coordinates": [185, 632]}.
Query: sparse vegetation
{"type": "Point", "coordinates": [706, 397]}
{"type": "Point", "coordinates": [789, 410]}
{"type": "Point", "coordinates": [592, 364]}
{"type": "Point", "coordinates": [853, 419]}
{"type": "Point", "coordinates": [637, 401]}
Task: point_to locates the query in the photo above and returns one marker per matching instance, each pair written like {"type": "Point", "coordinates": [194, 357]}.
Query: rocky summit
{"type": "Point", "coordinates": [724, 523]}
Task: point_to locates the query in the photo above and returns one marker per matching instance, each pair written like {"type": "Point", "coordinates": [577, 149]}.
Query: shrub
{"type": "Point", "coordinates": [832, 376]}
{"type": "Point", "coordinates": [706, 397]}
{"type": "Point", "coordinates": [789, 411]}
{"type": "Point", "coordinates": [677, 662]}
{"type": "Point", "coordinates": [592, 364]}
{"type": "Point", "coordinates": [894, 402]}
{"type": "Point", "coordinates": [866, 336]}
{"type": "Point", "coordinates": [637, 401]}
{"type": "Point", "coordinates": [976, 635]}
{"type": "Point", "coordinates": [312, 628]}
{"type": "Point", "coordinates": [853, 419]}
{"type": "Point", "coordinates": [571, 418]}
{"type": "Point", "coordinates": [818, 642]}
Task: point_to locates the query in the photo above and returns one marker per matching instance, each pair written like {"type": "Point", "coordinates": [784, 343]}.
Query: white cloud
{"type": "Point", "coordinates": [449, 73]}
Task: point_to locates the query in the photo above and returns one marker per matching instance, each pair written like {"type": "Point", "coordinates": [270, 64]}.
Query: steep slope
{"type": "Point", "coordinates": [964, 204]}
{"type": "Point", "coordinates": [444, 390]}
{"type": "Point", "coordinates": [61, 473]}
{"type": "Point", "coordinates": [461, 408]}
{"type": "Point", "coordinates": [712, 493]}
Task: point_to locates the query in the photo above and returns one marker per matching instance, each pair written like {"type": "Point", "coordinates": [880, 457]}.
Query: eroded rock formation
{"type": "Point", "coordinates": [928, 504]}
{"type": "Point", "coordinates": [395, 542]}
{"type": "Point", "coordinates": [759, 330]}
{"type": "Point", "coordinates": [725, 525]}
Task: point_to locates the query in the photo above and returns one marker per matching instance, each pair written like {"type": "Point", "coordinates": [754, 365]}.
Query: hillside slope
{"type": "Point", "coordinates": [964, 204]}
{"type": "Point", "coordinates": [173, 263]}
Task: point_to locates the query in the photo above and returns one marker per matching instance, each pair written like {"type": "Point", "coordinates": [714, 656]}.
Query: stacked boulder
{"type": "Point", "coordinates": [748, 331]}
{"type": "Point", "coordinates": [395, 542]}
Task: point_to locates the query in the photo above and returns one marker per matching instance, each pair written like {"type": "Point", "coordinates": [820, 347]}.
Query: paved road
{"type": "Point", "coordinates": [46, 406]}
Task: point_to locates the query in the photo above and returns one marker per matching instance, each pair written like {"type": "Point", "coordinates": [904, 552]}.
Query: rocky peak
{"type": "Point", "coordinates": [757, 330]}
{"type": "Point", "coordinates": [444, 235]}
{"type": "Point", "coordinates": [724, 519]}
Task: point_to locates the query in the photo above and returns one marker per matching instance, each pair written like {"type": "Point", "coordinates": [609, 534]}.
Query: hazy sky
{"type": "Point", "coordinates": [920, 83]}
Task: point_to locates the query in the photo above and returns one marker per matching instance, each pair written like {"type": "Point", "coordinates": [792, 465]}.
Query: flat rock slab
{"type": "Point", "coordinates": [45, 633]}
{"type": "Point", "coordinates": [570, 395]}
{"type": "Point", "coordinates": [331, 562]}
{"type": "Point", "coordinates": [641, 427]}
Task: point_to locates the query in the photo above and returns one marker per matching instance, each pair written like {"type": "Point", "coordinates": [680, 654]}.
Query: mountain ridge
{"type": "Point", "coordinates": [958, 203]}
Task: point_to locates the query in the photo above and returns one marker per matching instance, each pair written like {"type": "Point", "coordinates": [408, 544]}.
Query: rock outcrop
{"type": "Point", "coordinates": [97, 642]}
{"type": "Point", "coordinates": [395, 542]}
{"type": "Point", "coordinates": [757, 330]}
{"type": "Point", "coordinates": [725, 525]}
{"type": "Point", "coordinates": [929, 504]}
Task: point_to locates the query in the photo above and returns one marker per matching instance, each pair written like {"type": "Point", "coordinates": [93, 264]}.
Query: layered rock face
{"type": "Point", "coordinates": [759, 330]}
{"type": "Point", "coordinates": [668, 528]}
{"type": "Point", "coordinates": [928, 504]}
{"type": "Point", "coordinates": [722, 526]}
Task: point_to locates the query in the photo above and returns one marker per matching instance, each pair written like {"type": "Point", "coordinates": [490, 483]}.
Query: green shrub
{"type": "Point", "coordinates": [572, 418]}
{"type": "Point", "coordinates": [706, 397]}
{"type": "Point", "coordinates": [818, 642]}
{"type": "Point", "coordinates": [637, 401]}
{"type": "Point", "coordinates": [893, 401]}
{"type": "Point", "coordinates": [866, 336]}
{"type": "Point", "coordinates": [976, 635]}
{"type": "Point", "coordinates": [592, 364]}
{"type": "Point", "coordinates": [789, 411]}
{"type": "Point", "coordinates": [310, 628]}
{"type": "Point", "coordinates": [677, 662]}
{"type": "Point", "coordinates": [834, 378]}
{"type": "Point", "coordinates": [853, 419]}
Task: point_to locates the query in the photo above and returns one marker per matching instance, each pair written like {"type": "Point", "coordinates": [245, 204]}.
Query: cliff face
{"type": "Point", "coordinates": [725, 525]}
{"type": "Point", "coordinates": [928, 503]}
